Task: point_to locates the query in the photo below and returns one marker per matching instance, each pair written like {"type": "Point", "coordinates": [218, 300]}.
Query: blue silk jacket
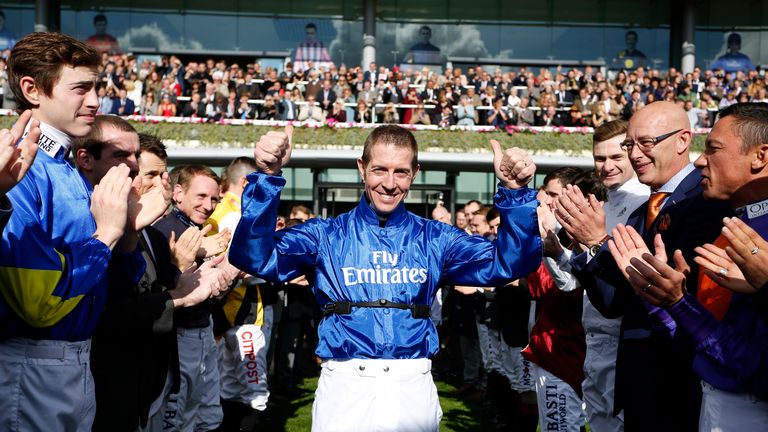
{"type": "Point", "coordinates": [353, 258]}
{"type": "Point", "coordinates": [53, 273]}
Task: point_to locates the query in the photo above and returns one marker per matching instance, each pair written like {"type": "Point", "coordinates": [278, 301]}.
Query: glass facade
{"type": "Point", "coordinates": [555, 30]}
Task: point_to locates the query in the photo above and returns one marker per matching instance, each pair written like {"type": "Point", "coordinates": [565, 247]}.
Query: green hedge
{"type": "Point", "coordinates": [218, 136]}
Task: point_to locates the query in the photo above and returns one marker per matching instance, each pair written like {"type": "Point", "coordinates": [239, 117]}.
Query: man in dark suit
{"type": "Point", "coordinates": [134, 347]}
{"type": "Point", "coordinates": [371, 75]}
{"type": "Point", "coordinates": [655, 383]}
{"type": "Point", "coordinates": [194, 108]}
{"type": "Point", "coordinates": [326, 97]}
{"type": "Point", "coordinates": [563, 97]}
{"type": "Point", "coordinates": [286, 108]}
{"type": "Point", "coordinates": [123, 106]}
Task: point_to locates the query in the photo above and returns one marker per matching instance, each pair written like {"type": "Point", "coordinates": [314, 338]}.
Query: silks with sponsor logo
{"type": "Point", "coordinates": [359, 258]}
{"type": "Point", "coordinates": [53, 273]}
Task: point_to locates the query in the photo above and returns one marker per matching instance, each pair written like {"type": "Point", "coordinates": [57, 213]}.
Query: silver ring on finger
{"type": "Point", "coordinates": [722, 271]}
{"type": "Point", "coordinates": [754, 250]}
{"type": "Point", "coordinates": [647, 288]}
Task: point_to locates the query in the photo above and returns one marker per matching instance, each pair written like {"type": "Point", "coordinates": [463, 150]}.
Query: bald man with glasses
{"type": "Point", "coordinates": [655, 383]}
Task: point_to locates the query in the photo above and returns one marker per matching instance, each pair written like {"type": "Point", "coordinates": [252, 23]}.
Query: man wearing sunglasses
{"type": "Point", "coordinates": [655, 383]}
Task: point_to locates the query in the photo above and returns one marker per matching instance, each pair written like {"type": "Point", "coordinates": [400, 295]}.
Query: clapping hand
{"type": "Point", "coordinates": [215, 244]}
{"type": "Point", "coordinates": [583, 218]}
{"type": "Point", "coordinates": [742, 266]}
{"type": "Point", "coordinates": [184, 249]}
{"type": "Point", "coordinates": [146, 205]}
{"type": "Point", "coordinates": [16, 160]}
{"type": "Point", "coordinates": [650, 276]}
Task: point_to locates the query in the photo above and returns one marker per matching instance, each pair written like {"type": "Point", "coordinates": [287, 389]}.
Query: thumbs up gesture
{"type": "Point", "coordinates": [514, 167]}
{"type": "Point", "coordinates": [273, 151]}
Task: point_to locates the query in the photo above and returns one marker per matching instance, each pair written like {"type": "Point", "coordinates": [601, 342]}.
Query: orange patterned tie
{"type": "Point", "coordinates": [654, 206]}
{"type": "Point", "coordinates": [712, 296]}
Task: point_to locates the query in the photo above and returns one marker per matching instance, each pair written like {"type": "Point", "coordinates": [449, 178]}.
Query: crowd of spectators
{"type": "Point", "coordinates": [478, 95]}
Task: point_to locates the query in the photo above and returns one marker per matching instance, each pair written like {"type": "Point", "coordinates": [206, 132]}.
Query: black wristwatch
{"type": "Point", "coordinates": [593, 249]}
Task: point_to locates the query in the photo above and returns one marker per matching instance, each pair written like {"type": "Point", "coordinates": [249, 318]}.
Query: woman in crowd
{"type": "Point", "coordinates": [389, 115]}
{"type": "Point", "coordinates": [410, 99]}
{"type": "Point", "coordinates": [362, 113]}
{"type": "Point", "coordinates": [244, 110]}
{"type": "Point", "coordinates": [337, 112]}
{"type": "Point", "coordinates": [498, 116]}
{"type": "Point", "coordinates": [149, 104]}
{"type": "Point", "coordinates": [465, 112]}
{"type": "Point", "coordinates": [420, 116]}
{"type": "Point", "coordinates": [348, 98]}
{"type": "Point", "coordinates": [600, 116]}
{"type": "Point", "coordinates": [166, 108]}
{"type": "Point", "coordinates": [153, 83]}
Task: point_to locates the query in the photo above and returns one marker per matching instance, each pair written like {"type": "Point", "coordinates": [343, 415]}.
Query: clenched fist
{"type": "Point", "coordinates": [273, 150]}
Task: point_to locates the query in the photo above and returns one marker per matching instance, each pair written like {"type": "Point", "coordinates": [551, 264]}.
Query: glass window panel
{"type": "Point", "coordinates": [215, 32]}
{"type": "Point", "coordinates": [20, 21]}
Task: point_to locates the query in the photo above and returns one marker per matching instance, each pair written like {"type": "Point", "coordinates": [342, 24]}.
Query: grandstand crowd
{"type": "Point", "coordinates": [527, 96]}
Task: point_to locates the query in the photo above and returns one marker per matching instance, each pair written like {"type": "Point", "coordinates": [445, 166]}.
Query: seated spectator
{"type": "Point", "coordinates": [465, 112]}
{"type": "Point", "coordinates": [123, 105]}
{"type": "Point", "coordinates": [389, 115]}
{"type": "Point", "coordinates": [610, 107]}
{"type": "Point", "coordinates": [420, 116]}
{"type": "Point", "coordinates": [170, 88]}
{"type": "Point", "coordinates": [217, 109]}
{"type": "Point", "coordinates": [498, 116]}
{"type": "Point", "coordinates": [311, 111]}
{"type": "Point", "coordinates": [337, 113]}
{"type": "Point", "coordinates": [524, 115]}
{"type": "Point", "coordinates": [166, 107]}
{"type": "Point", "coordinates": [446, 118]}
{"type": "Point", "coordinates": [297, 95]}
{"type": "Point", "coordinates": [761, 96]}
{"type": "Point", "coordinates": [347, 97]}
{"type": "Point", "coordinates": [411, 98]}
{"type": "Point", "coordinates": [268, 111]}
{"type": "Point", "coordinates": [599, 116]}
{"type": "Point", "coordinates": [231, 105]}
{"type": "Point", "coordinates": [244, 110]}
{"type": "Point", "coordinates": [362, 113]}
{"type": "Point", "coordinates": [728, 100]}
{"type": "Point", "coordinates": [193, 108]}
{"type": "Point", "coordinates": [105, 96]}
{"type": "Point", "coordinates": [148, 105]}
{"type": "Point", "coordinates": [135, 88]}
{"type": "Point", "coordinates": [696, 116]}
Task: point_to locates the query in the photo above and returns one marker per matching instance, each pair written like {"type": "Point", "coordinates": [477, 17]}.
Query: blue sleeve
{"type": "Point", "coordinates": [738, 351]}
{"type": "Point", "coordinates": [260, 251]}
{"type": "Point", "coordinates": [42, 280]}
{"type": "Point", "coordinates": [474, 261]}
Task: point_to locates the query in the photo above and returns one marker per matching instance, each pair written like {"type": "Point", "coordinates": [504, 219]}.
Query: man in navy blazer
{"type": "Point", "coordinates": [286, 108]}
{"type": "Point", "coordinates": [122, 105]}
{"type": "Point", "coordinates": [655, 383]}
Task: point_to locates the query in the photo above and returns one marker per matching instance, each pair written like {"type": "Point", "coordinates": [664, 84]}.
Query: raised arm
{"type": "Point", "coordinates": [256, 248]}
{"type": "Point", "coordinates": [472, 260]}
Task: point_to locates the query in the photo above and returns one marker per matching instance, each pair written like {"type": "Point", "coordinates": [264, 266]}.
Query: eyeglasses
{"type": "Point", "coordinates": [646, 144]}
